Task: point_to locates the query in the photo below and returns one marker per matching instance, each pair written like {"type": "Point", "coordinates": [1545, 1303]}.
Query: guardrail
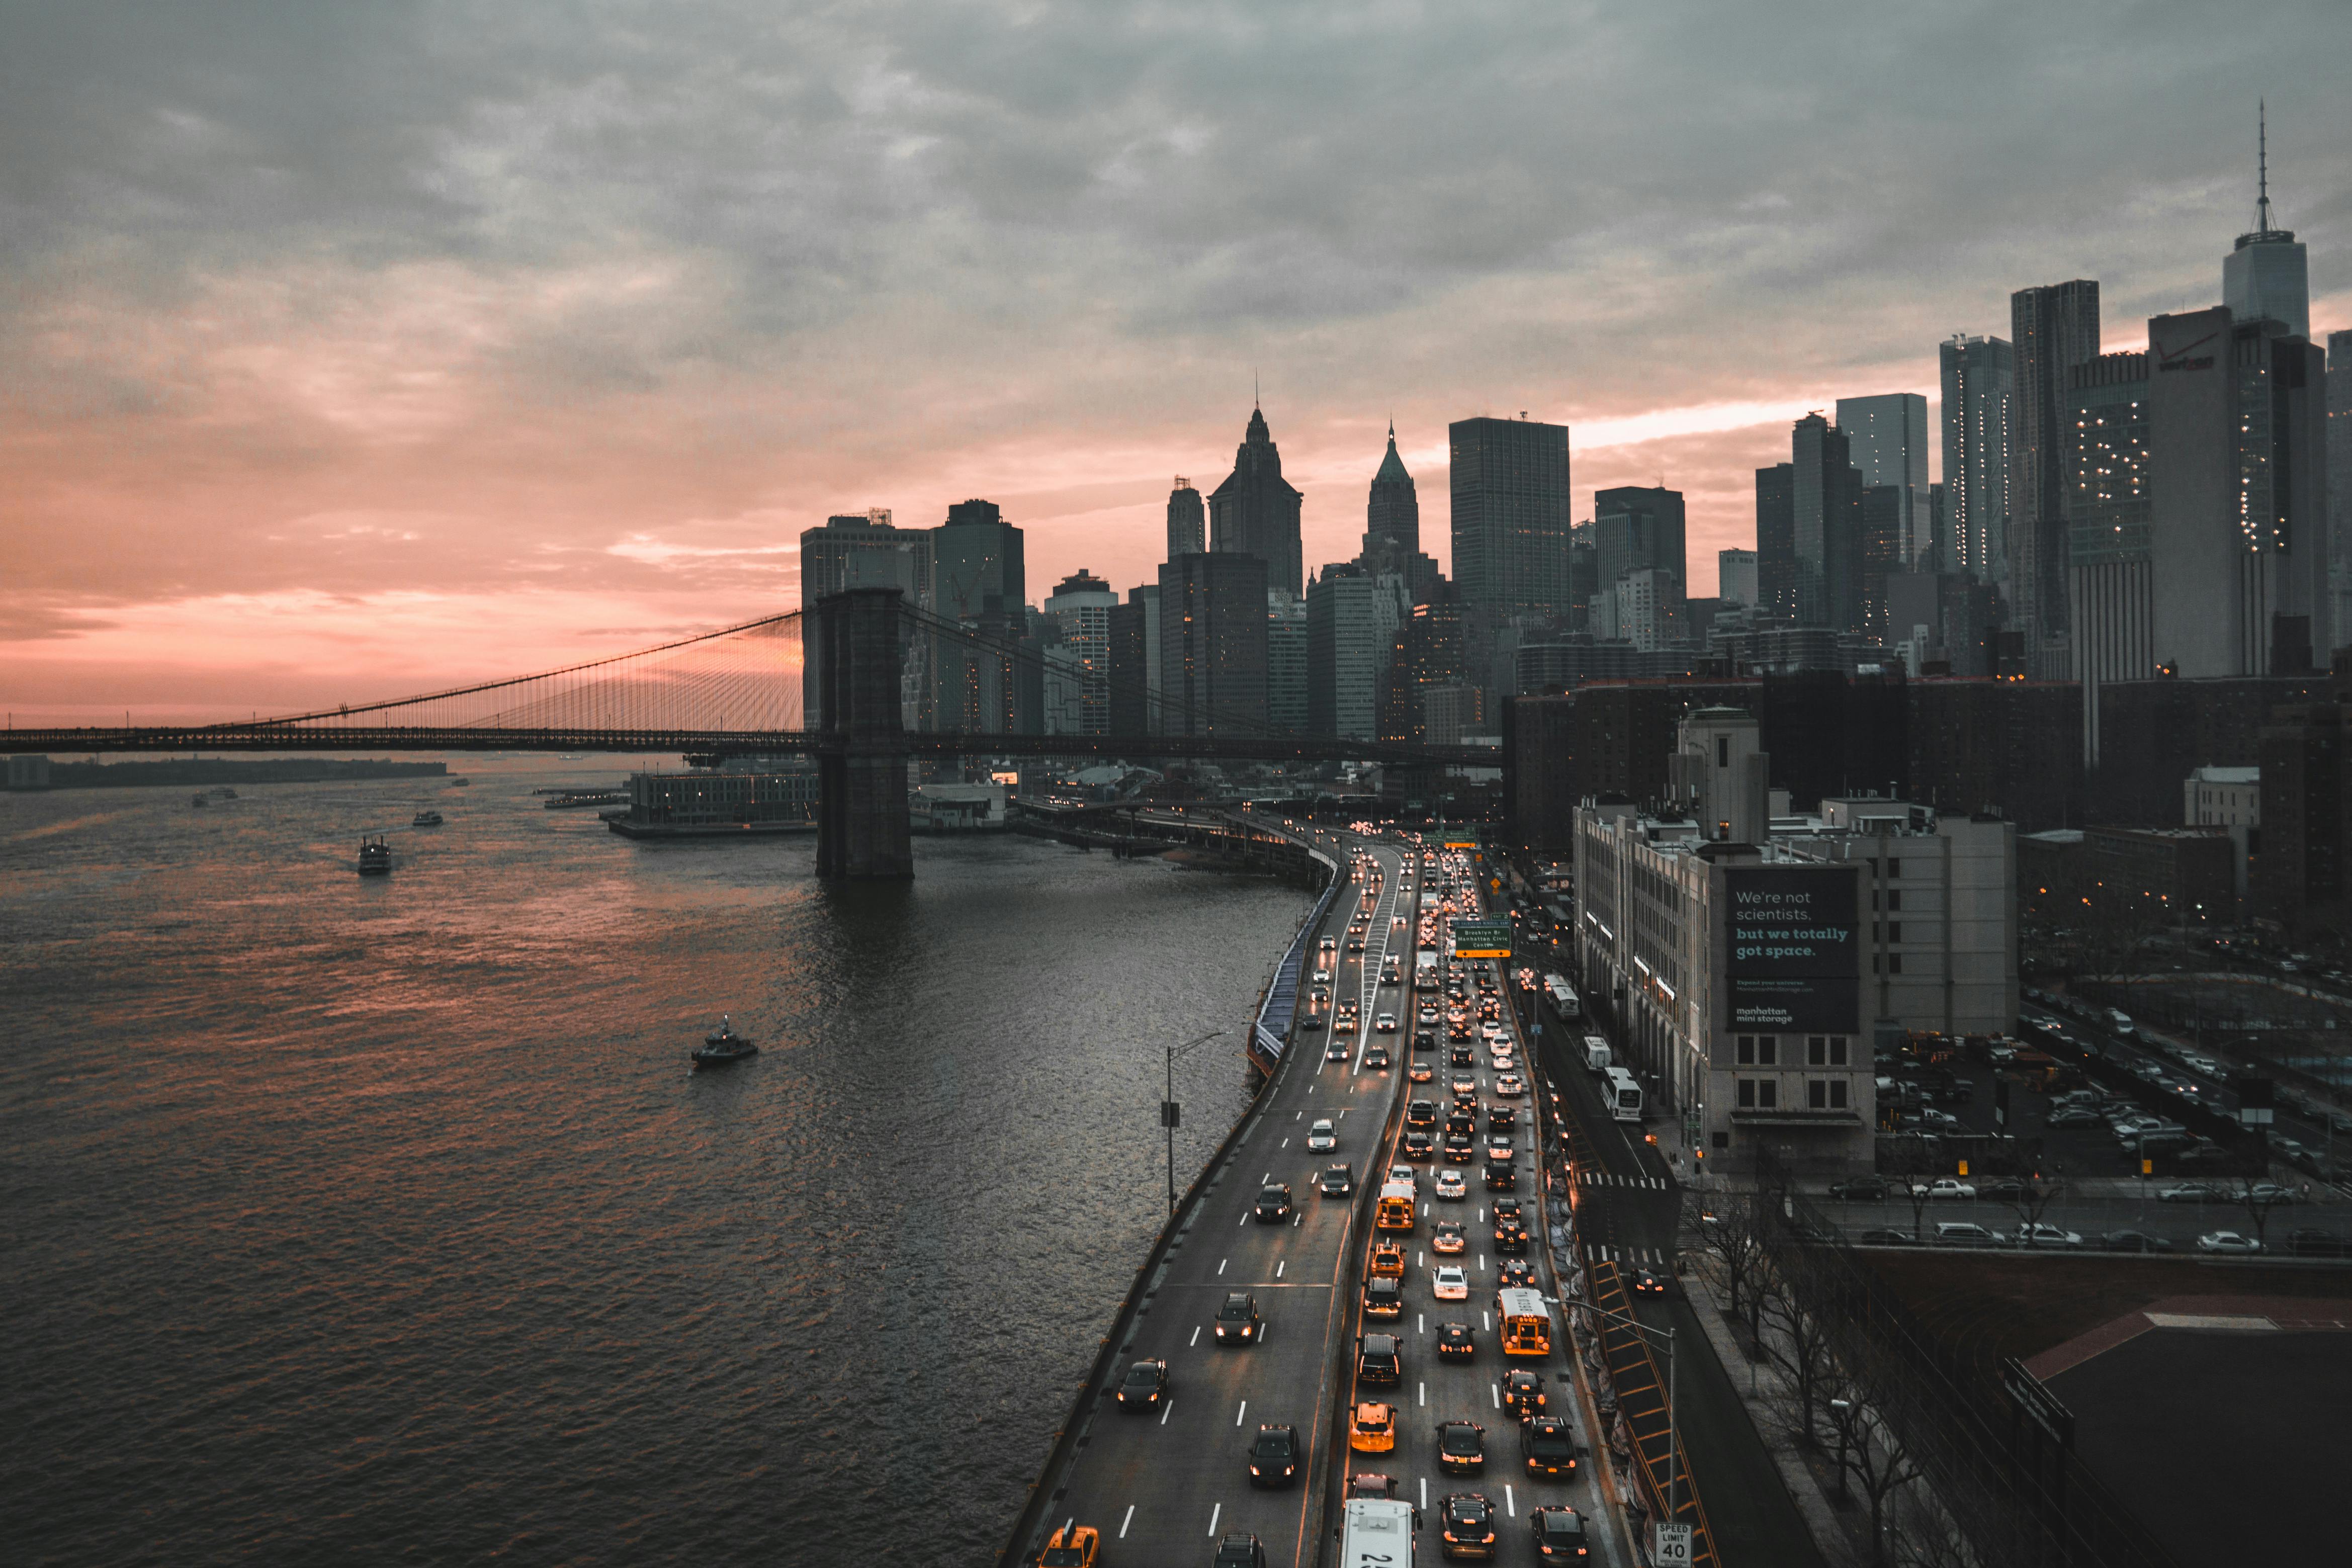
{"type": "Point", "coordinates": [1025, 1540]}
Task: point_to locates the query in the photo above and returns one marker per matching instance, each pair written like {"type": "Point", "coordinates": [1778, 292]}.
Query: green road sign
{"type": "Point", "coordinates": [1482, 939]}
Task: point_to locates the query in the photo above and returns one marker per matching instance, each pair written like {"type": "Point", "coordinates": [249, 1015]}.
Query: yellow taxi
{"type": "Point", "coordinates": [1072, 1546]}
{"type": "Point", "coordinates": [1388, 1261]}
{"type": "Point", "coordinates": [1373, 1430]}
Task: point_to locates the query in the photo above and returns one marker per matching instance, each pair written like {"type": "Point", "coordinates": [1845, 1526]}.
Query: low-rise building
{"type": "Point", "coordinates": [715, 802]}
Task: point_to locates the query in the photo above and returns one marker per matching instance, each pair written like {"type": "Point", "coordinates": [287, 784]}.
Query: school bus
{"type": "Point", "coordinates": [1526, 1323]}
{"type": "Point", "coordinates": [1395, 1212]}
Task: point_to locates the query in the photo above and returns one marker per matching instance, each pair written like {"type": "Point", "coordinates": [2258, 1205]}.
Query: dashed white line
{"type": "Point", "coordinates": [1285, 1144]}
{"type": "Point", "coordinates": [1497, 1390]}
{"type": "Point", "coordinates": [1196, 1336]}
{"type": "Point", "coordinates": [1242, 1412]}
{"type": "Point", "coordinates": [1165, 1406]}
{"type": "Point", "coordinates": [1221, 1264]}
{"type": "Point", "coordinates": [1509, 1502]}
{"type": "Point", "coordinates": [1278, 1268]}
{"type": "Point", "coordinates": [1486, 1321]}
{"type": "Point", "coordinates": [1127, 1521]}
{"type": "Point", "coordinates": [1212, 1520]}
{"type": "Point", "coordinates": [1423, 1399]}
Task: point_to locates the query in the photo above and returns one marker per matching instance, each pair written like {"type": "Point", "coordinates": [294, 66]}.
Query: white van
{"type": "Point", "coordinates": [1596, 1054]}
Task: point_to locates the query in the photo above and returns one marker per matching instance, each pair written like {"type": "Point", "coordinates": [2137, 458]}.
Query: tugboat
{"type": "Point", "coordinates": [376, 856]}
{"type": "Point", "coordinates": [426, 819]}
{"type": "Point", "coordinates": [726, 1046]}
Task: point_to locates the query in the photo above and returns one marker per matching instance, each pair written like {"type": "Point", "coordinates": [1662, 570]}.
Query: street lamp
{"type": "Point", "coordinates": [1627, 1319]}
{"type": "Point", "coordinates": [1839, 1410]}
{"type": "Point", "coordinates": [1170, 1115]}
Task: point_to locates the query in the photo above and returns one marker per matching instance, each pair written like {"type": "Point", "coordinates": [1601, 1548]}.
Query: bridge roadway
{"type": "Point", "coordinates": [1164, 1487]}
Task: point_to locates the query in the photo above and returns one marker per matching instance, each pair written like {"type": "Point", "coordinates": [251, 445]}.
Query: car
{"type": "Point", "coordinates": [1454, 1341]}
{"type": "Point", "coordinates": [1501, 1118]}
{"type": "Point", "coordinates": [2228, 1243]}
{"type": "Point", "coordinates": [1502, 1177]}
{"type": "Point", "coordinates": [1403, 1173]}
{"type": "Point", "coordinates": [1383, 1297]}
{"type": "Point", "coordinates": [1273, 1203]}
{"type": "Point", "coordinates": [1451, 1186]}
{"type": "Point", "coordinates": [1376, 1058]}
{"type": "Point", "coordinates": [1462, 1121]}
{"type": "Point", "coordinates": [1322, 977]}
{"type": "Point", "coordinates": [1421, 1113]}
{"type": "Point", "coordinates": [1419, 1143]}
{"type": "Point", "coordinates": [1462, 1056]}
{"type": "Point", "coordinates": [1144, 1387]}
{"type": "Point", "coordinates": [1074, 1545]}
{"type": "Point", "coordinates": [1372, 1427]}
{"type": "Point", "coordinates": [1380, 1359]}
{"type": "Point", "coordinates": [1514, 1274]}
{"type": "Point", "coordinates": [1322, 1136]}
{"type": "Point", "coordinates": [1466, 1526]}
{"type": "Point", "coordinates": [2194, 1193]}
{"type": "Point", "coordinates": [2042, 1235]}
{"type": "Point", "coordinates": [1887, 1238]}
{"type": "Point", "coordinates": [1237, 1322]}
{"type": "Point", "coordinates": [1510, 1086]}
{"type": "Point", "coordinates": [1450, 1283]}
{"type": "Point", "coordinates": [1944, 1188]}
{"type": "Point", "coordinates": [1384, 1024]}
{"type": "Point", "coordinates": [1548, 1445]}
{"type": "Point", "coordinates": [1372, 1484]}
{"type": "Point", "coordinates": [2317, 1243]}
{"type": "Point", "coordinates": [1460, 1147]}
{"type": "Point", "coordinates": [1274, 1456]}
{"type": "Point", "coordinates": [1648, 1283]}
{"type": "Point", "coordinates": [2133, 1241]}
{"type": "Point", "coordinates": [1960, 1232]}
{"type": "Point", "coordinates": [1523, 1393]}
{"type": "Point", "coordinates": [1865, 1188]}
{"type": "Point", "coordinates": [2072, 1117]}
{"type": "Point", "coordinates": [1446, 1237]}
{"type": "Point", "coordinates": [1388, 1258]}
{"type": "Point", "coordinates": [1421, 1072]}
{"type": "Point", "coordinates": [1461, 1447]}
{"type": "Point", "coordinates": [1511, 1237]}
{"type": "Point", "coordinates": [1464, 1088]}
{"type": "Point", "coordinates": [1345, 1024]}
{"type": "Point", "coordinates": [2266, 1193]}
{"type": "Point", "coordinates": [1339, 1181]}
{"type": "Point", "coordinates": [1499, 1147]}
{"type": "Point", "coordinates": [1558, 1534]}
{"type": "Point", "coordinates": [1336, 1051]}
{"type": "Point", "coordinates": [1425, 1040]}
{"type": "Point", "coordinates": [2007, 1189]}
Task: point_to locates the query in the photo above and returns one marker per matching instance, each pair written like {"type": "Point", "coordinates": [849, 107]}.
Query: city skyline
{"type": "Point", "coordinates": [235, 434]}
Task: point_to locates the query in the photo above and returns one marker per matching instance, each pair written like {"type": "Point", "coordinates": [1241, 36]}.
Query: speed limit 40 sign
{"type": "Point", "coordinates": [1671, 1547]}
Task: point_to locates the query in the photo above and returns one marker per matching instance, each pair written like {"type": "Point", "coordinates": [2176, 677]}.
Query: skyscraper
{"type": "Point", "coordinates": [1081, 605]}
{"type": "Point", "coordinates": [1131, 686]}
{"type": "Point", "coordinates": [1188, 521]}
{"type": "Point", "coordinates": [2109, 564]}
{"type": "Point", "coordinates": [1827, 510]}
{"type": "Point", "coordinates": [1883, 510]}
{"type": "Point", "coordinates": [2054, 328]}
{"type": "Point", "coordinates": [1392, 524]}
{"type": "Point", "coordinates": [1510, 479]}
{"type": "Point", "coordinates": [1776, 541]}
{"type": "Point", "coordinates": [1979, 378]}
{"type": "Point", "coordinates": [1255, 511]}
{"type": "Point", "coordinates": [1212, 645]}
{"type": "Point", "coordinates": [1735, 577]}
{"type": "Point", "coordinates": [1285, 662]}
{"type": "Point", "coordinates": [1636, 528]}
{"type": "Point", "coordinates": [863, 551]}
{"type": "Point", "coordinates": [1886, 438]}
{"type": "Point", "coordinates": [2340, 483]}
{"type": "Point", "coordinates": [1345, 654]}
{"type": "Point", "coordinates": [2266, 274]}
{"type": "Point", "coordinates": [977, 561]}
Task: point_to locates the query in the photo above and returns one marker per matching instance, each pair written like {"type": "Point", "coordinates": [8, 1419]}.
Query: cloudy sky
{"type": "Point", "coordinates": [349, 348]}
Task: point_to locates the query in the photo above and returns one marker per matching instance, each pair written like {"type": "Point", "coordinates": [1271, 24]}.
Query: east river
{"type": "Point", "coordinates": [382, 1219]}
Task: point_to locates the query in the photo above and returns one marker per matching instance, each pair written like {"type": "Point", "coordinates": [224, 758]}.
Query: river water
{"type": "Point", "coordinates": [348, 1220]}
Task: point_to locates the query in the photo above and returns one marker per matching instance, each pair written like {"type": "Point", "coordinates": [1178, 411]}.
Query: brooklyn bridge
{"type": "Point", "coordinates": [832, 682]}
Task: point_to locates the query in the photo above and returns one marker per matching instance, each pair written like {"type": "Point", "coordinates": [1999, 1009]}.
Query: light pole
{"type": "Point", "coordinates": [1627, 1319]}
{"type": "Point", "coordinates": [1840, 1410]}
{"type": "Point", "coordinates": [1168, 1113]}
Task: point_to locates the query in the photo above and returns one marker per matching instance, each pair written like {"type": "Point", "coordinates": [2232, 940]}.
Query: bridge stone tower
{"type": "Point", "coordinates": [861, 814]}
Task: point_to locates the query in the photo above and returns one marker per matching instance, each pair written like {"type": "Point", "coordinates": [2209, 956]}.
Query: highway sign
{"type": "Point", "coordinates": [1482, 939]}
{"type": "Point", "coordinates": [1671, 1546]}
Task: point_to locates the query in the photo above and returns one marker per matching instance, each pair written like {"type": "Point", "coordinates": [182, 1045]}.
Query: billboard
{"type": "Point", "coordinates": [1793, 953]}
{"type": "Point", "coordinates": [1482, 939]}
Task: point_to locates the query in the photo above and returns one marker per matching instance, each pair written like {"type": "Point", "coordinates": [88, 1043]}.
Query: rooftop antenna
{"type": "Point", "coordinates": [1253, 402]}
{"type": "Point", "coordinates": [2262, 164]}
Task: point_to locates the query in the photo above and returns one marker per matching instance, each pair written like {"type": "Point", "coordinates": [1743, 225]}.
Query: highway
{"type": "Point", "coordinates": [1163, 1486]}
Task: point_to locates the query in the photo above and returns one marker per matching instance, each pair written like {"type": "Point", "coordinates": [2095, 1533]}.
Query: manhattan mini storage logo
{"type": "Point", "coordinates": [1794, 953]}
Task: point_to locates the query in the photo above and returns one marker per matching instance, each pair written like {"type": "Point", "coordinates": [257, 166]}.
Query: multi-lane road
{"type": "Point", "coordinates": [1177, 1479]}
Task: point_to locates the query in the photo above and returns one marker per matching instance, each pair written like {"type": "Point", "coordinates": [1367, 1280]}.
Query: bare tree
{"type": "Point", "coordinates": [1730, 1229]}
{"type": "Point", "coordinates": [1857, 1396]}
{"type": "Point", "coordinates": [1804, 1335]}
{"type": "Point", "coordinates": [2260, 1194]}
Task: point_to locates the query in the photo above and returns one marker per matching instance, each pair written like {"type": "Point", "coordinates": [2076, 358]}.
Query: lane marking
{"type": "Point", "coordinates": [1277, 1268]}
{"type": "Point", "coordinates": [1509, 1502]}
{"type": "Point", "coordinates": [1165, 1406]}
{"type": "Point", "coordinates": [1285, 1144]}
{"type": "Point", "coordinates": [1220, 1265]}
{"type": "Point", "coordinates": [1497, 1390]}
{"type": "Point", "coordinates": [1245, 1219]}
{"type": "Point", "coordinates": [1196, 1336]}
{"type": "Point", "coordinates": [1424, 1400]}
{"type": "Point", "coordinates": [1242, 1412]}
{"type": "Point", "coordinates": [1127, 1521]}
{"type": "Point", "coordinates": [1425, 1322]}
{"type": "Point", "coordinates": [1212, 1520]}
{"type": "Point", "coordinates": [1425, 1491]}
{"type": "Point", "coordinates": [1486, 1321]}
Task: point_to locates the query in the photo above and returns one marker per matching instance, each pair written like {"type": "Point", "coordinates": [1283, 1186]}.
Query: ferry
{"type": "Point", "coordinates": [426, 819]}
{"type": "Point", "coordinates": [376, 856]}
{"type": "Point", "coordinates": [724, 1047]}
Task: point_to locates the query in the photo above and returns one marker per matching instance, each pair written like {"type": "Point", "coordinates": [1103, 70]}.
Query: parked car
{"type": "Point", "coordinates": [1944, 1188]}
{"type": "Point", "coordinates": [2229, 1243]}
{"type": "Point", "coordinates": [2133, 1241]}
{"type": "Point", "coordinates": [2042, 1235]}
{"type": "Point", "coordinates": [2317, 1243]}
{"type": "Point", "coordinates": [1867, 1188]}
{"type": "Point", "coordinates": [1888, 1239]}
{"type": "Point", "coordinates": [2194, 1193]}
{"type": "Point", "coordinates": [1961, 1233]}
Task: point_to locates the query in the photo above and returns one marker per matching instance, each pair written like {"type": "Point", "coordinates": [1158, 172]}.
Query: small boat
{"type": "Point", "coordinates": [724, 1047]}
{"type": "Point", "coordinates": [223, 793]}
{"type": "Point", "coordinates": [426, 819]}
{"type": "Point", "coordinates": [200, 800]}
{"type": "Point", "coordinates": [459, 784]}
{"type": "Point", "coordinates": [376, 856]}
